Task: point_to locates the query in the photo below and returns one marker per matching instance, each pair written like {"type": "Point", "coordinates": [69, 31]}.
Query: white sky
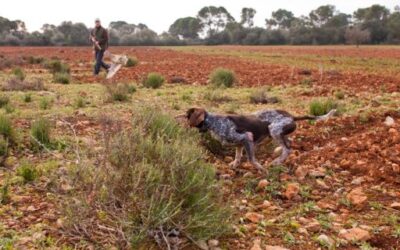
{"type": "Point", "coordinates": [157, 14]}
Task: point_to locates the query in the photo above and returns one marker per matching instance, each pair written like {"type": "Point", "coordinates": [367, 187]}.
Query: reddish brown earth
{"type": "Point", "coordinates": [195, 68]}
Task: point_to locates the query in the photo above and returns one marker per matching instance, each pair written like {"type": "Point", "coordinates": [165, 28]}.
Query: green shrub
{"type": "Point", "coordinates": [40, 131]}
{"type": "Point", "coordinates": [319, 108]}
{"type": "Point", "coordinates": [80, 102]}
{"type": "Point", "coordinates": [119, 93]}
{"type": "Point", "coordinates": [44, 103]}
{"type": "Point", "coordinates": [27, 98]}
{"type": "Point", "coordinates": [153, 80]}
{"type": "Point", "coordinates": [3, 146]}
{"type": "Point", "coordinates": [5, 194]}
{"type": "Point", "coordinates": [339, 95]}
{"type": "Point", "coordinates": [6, 128]}
{"type": "Point", "coordinates": [132, 62]}
{"type": "Point", "coordinates": [4, 100]}
{"type": "Point", "coordinates": [216, 96]}
{"type": "Point", "coordinates": [14, 84]}
{"type": "Point", "coordinates": [158, 178]}
{"type": "Point", "coordinates": [9, 108]}
{"type": "Point", "coordinates": [27, 172]}
{"type": "Point", "coordinates": [56, 66]}
{"type": "Point", "coordinates": [131, 89]}
{"type": "Point", "coordinates": [35, 60]}
{"type": "Point", "coordinates": [63, 78]}
{"type": "Point", "coordinates": [222, 77]}
{"type": "Point", "coordinates": [18, 73]}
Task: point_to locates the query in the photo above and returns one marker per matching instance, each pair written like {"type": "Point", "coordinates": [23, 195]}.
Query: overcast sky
{"type": "Point", "coordinates": [157, 14]}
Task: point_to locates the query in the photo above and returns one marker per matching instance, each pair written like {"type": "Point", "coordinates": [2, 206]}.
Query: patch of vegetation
{"type": "Point", "coordinates": [9, 108]}
{"type": "Point", "coordinates": [153, 80]}
{"type": "Point", "coordinates": [45, 103]}
{"type": "Point", "coordinates": [223, 78]}
{"type": "Point", "coordinates": [80, 102]}
{"type": "Point", "coordinates": [35, 60]}
{"type": "Point", "coordinates": [159, 180]}
{"type": "Point", "coordinates": [27, 172]}
{"type": "Point", "coordinates": [27, 98]}
{"type": "Point", "coordinates": [18, 73]}
{"type": "Point", "coordinates": [56, 66]}
{"type": "Point", "coordinates": [3, 146]}
{"type": "Point", "coordinates": [63, 78]}
{"type": "Point", "coordinates": [340, 95]}
{"type": "Point", "coordinates": [41, 132]}
{"type": "Point", "coordinates": [119, 93]}
{"type": "Point", "coordinates": [318, 107]}
{"type": "Point", "coordinates": [131, 88]}
{"type": "Point", "coordinates": [5, 194]}
{"type": "Point", "coordinates": [6, 128]}
{"type": "Point", "coordinates": [14, 84]}
{"type": "Point", "coordinates": [216, 96]}
{"type": "Point", "coordinates": [4, 100]}
{"type": "Point", "coordinates": [132, 62]}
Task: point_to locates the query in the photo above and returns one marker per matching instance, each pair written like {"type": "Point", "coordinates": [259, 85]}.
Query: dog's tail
{"type": "Point", "coordinates": [316, 118]}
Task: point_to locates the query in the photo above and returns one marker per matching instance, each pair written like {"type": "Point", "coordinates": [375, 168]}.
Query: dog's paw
{"type": "Point", "coordinates": [234, 164]}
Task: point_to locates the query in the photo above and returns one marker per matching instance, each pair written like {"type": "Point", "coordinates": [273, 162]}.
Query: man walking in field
{"type": "Point", "coordinates": [99, 38]}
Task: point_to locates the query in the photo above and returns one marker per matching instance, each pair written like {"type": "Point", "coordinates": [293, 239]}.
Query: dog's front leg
{"type": "Point", "coordinates": [249, 146]}
{"type": "Point", "coordinates": [238, 157]}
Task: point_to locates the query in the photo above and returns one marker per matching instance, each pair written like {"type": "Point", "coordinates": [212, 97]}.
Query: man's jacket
{"type": "Point", "coordinates": [101, 35]}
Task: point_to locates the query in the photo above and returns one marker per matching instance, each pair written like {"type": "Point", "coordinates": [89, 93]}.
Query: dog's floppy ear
{"type": "Point", "coordinates": [195, 116]}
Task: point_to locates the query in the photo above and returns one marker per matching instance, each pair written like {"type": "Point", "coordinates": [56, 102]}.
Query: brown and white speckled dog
{"type": "Point", "coordinates": [246, 131]}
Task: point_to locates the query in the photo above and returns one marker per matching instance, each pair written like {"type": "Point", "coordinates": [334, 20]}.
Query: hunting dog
{"type": "Point", "coordinates": [246, 131]}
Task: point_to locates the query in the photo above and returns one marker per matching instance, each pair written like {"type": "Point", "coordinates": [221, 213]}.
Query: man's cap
{"type": "Point", "coordinates": [97, 20]}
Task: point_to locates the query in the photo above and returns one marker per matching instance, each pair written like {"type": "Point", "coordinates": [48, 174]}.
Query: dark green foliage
{"type": "Point", "coordinates": [27, 98]}
{"type": "Point", "coordinates": [132, 62]}
{"type": "Point", "coordinates": [153, 80]}
{"type": "Point", "coordinates": [222, 77]}
{"type": "Point", "coordinates": [35, 60]}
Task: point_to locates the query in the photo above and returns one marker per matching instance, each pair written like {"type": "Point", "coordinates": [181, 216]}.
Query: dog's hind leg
{"type": "Point", "coordinates": [249, 147]}
{"type": "Point", "coordinates": [238, 157]}
{"type": "Point", "coordinates": [283, 142]}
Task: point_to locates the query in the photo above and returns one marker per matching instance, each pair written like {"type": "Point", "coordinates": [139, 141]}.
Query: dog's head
{"type": "Point", "coordinates": [196, 116]}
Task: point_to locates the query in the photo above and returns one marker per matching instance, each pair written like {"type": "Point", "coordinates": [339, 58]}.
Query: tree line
{"type": "Point", "coordinates": [215, 25]}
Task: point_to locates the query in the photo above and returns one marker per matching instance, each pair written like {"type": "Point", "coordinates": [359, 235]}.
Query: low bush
{"type": "Point", "coordinates": [27, 98]}
{"type": "Point", "coordinates": [63, 78]}
{"type": "Point", "coordinates": [222, 77]}
{"type": "Point", "coordinates": [132, 62]}
{"type": "Point", "coordinates": [120, 92]}
{"type": "Point", "coordinates": [340, 95]}
{"type": "Point", "coordinates": [14, 84]}
{"type": "Point", "coordinates": [56, 66]}
{"type": "Point", "coordinates": [41, 132]}
{"type": "Point", "coordinates": [6, 128]}
{"type": "Point", "coordinates": [4, 100]}
{"type": "Point", "coordinates": [155, 181]}
{"type": "Point", "coordinates": [216, 96]}
{"type": "Point", "coordinates": [35, 60]}
{"type": "Point", "coordinates": [261, 97]}
{"type": "Point", "coordinates": [45, 103]}
{"type": "Point", "coordinates": [153, 80]}
{"type": "Point", "coordinates": [9, 108]}
{"type": "Point", "coordinates": [318, 107]}
{"type": "Point", "coordinates": [27, 172]}
{"type": "Point", "coordinates": [3, 146]}
{"type": "Point", "coordinates": [18, 73]}
{"type": "Point", "coordinates": [80, 102]}
{"type": "Point", "coordinates": [5, 194]}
